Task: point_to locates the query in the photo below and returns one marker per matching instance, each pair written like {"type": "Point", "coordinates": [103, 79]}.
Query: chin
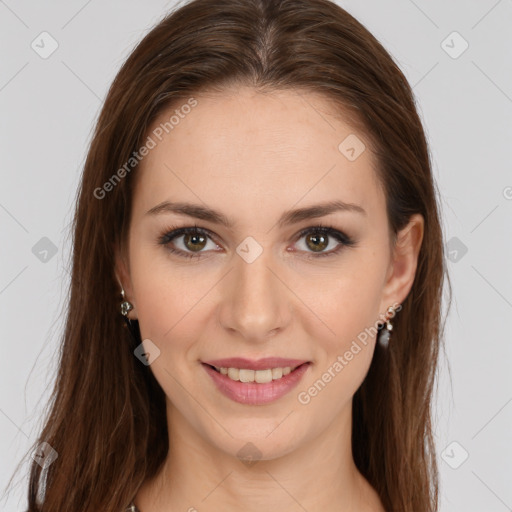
{"type": "Point", "coordinates": [258, 440]}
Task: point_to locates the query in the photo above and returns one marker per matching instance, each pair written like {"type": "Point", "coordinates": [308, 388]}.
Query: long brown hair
{"type": "Point", "coordinates": [106, 420]}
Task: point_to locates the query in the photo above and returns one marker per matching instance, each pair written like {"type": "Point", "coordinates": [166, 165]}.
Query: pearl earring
{"type": "Point", "coordinates": [385, 334]}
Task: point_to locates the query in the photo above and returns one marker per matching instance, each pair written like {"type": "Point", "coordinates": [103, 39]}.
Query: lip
{"type": "Point", "coordinates": [255, 364]}
{"type": "Point", "coordinates": [253, 393]}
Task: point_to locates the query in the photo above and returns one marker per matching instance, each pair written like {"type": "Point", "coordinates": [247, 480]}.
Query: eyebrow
{"type": "Point", "coordinates": [287, 218]}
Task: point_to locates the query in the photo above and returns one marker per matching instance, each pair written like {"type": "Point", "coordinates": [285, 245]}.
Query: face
{"type": "Point", "coordinates": [306, 287]}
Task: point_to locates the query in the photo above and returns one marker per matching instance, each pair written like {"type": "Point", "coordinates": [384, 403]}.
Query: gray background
{"type": "Point", "coordinates": [48, 109]}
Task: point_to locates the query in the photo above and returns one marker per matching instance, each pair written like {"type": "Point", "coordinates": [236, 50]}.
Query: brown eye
{"type": "Point", "coordinates": [317, 242]}
{"type": "Point", "coordinates": [194, 241]}
{"type": "Point", "coordinates": [189, 242]}
{"type": "Point", "coordinates": [318, 238]}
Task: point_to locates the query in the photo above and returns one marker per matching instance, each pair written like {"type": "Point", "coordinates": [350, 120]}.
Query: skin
{"type": "Point", "coordinates": [252, 156]}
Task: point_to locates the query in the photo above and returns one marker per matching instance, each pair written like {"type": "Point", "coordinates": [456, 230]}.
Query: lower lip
{"type": "Point", "coordinates": [252, 393]}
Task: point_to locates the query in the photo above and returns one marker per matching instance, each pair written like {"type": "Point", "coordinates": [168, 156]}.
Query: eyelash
{"type": "Point", "coordinates": [173, 232]}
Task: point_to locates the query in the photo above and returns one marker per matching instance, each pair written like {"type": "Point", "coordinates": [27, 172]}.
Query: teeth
{"type": "Point", "coordinates": [259, 376]}
{"type": "Point", "coordinates": [233, 373]}
{"type": "Point", "coordinates": [277, 373]}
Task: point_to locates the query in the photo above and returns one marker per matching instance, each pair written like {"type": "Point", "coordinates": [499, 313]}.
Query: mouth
{"type": "Point", "coordinates": [256, 386]}
{"type": "Point", "coordinates": [263, 376]}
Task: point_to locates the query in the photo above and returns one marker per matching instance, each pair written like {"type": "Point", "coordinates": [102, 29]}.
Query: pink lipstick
{"type": "Point", "coordinates": [256, 393]}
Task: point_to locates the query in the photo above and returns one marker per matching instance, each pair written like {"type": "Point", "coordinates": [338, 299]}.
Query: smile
{"type": "Point", "coordinates": [259, 376]}
{"type": "Point", "coordinates": [256, 386]}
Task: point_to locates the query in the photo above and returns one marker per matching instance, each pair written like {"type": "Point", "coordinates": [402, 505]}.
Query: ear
{"type": "Point", "coordinates": [122, 271]}
{"type": "Point", "coordinates": [405, 261]}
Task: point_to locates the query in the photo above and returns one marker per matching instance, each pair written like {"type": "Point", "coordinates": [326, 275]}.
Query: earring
{"type": "Point", "coordinates": [385, 334]}
{"type": "Point", "coordinates": [126, 306]}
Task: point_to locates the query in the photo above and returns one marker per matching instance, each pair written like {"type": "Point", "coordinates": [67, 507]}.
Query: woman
{"type": "Point", "coordinates": [257, 207]}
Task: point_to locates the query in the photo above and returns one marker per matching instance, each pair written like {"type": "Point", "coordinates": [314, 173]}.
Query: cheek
{"type": "Point", "coordinates": [334, 384]}
{"type": "Point", "coordinates": [347, 306]}
{"type": "Point", "coordinates": [344, 352]}
{"type": "Point", "coordinates": [170, 300]}
{"type": "Point", "coordinates": [343, 303]}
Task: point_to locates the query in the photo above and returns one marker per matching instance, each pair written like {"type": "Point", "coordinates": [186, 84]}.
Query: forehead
{"type": "Point", "coordinates": [282, 146]}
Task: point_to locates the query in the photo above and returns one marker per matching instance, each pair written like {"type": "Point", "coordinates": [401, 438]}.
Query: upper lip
{"type": "Point", "coordinates": [255, 364]}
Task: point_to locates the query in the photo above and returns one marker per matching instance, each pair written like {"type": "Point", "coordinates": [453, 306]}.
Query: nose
{"type": "Point", "coordinates": [255, 303]}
